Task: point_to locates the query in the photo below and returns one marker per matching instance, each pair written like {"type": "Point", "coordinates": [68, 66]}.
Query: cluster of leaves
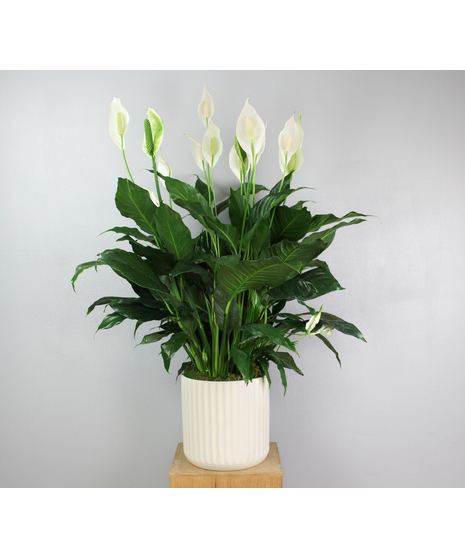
{"type": "Point", "coordinates": [221, 295]}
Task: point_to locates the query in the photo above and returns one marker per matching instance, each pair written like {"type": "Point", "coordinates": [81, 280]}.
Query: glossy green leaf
{"type": "Point", "coordinates": [154, 337]}
{"type": "Point", "coordinates": [327, 235]}
{"type": "Point", "coordinates": [221, 301]}
{"type": "Point", "coordinates": [290, 224]}
{"type": "Point", "coordinates": [171, 347]}
{"type": "Point", "coordinates": [341, 325]}
{"type": "Point", "coordinates": [131, 267]}
{"type": "Point", "coordinates": [133, 309]}
{"type": "Point", "coordinates": [174, 234]}
{"type": "Point", "coordinates": [161, 262]}
{"type": "Point", "coordinates": [82, 267]}
{"type": "Point", "coordinates": [188, 267]}
{"type": "Point", "coordinates": [264, 206]}
{"type": "Point", "coordinates": [319, 221]}
{"type": "Point", "coordinates": [225, 231]}
{"type": "Point", "coordinates": [285, 359]}
{"type": "Point", "coordinates": [186, 196]}
{"type": "Point", "coordinates": [243, 362]}
{"type": "Point", "coordinates": [266, 332]}
{"type": "Point", "coordinates": [237, 208]}
{"type": "Point", "coordinates": [289, 251]}
{"type": "Point", "coordinates": [258, 237]}
{"type": "Point", "coordinates": [105, 301]}
{"type": "Point", "coordinates": [325, 340]}
{"type": "Point", "coordinates": [135, 203]}
{"type": "Point", "coordinates": [253, 274]}
{"type": "Point", "coordinates": [311, 284]}
{"type": "Point", "coordinates": [202, 188]}
{"type": "Point", "coordinates": [110, 321]}
{"type": "Point", "coordinates": [130, 232]}
{"type": "Point", "coordinates": [264, 365]}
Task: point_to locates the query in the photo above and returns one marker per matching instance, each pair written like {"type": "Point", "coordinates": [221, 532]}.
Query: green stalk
{"type": "Point", "coordinates": [254, 168]}
{"type": "Point", "coordinates": [124, 157]}
{"type": "Point", "coordinates": [250, 186]}
{"type": "Point", "coordinates": [212, 186]}
{"type": "Point", "coordinates": [280, 188]}
{"type": "Point", "coordinates": [154, 163]}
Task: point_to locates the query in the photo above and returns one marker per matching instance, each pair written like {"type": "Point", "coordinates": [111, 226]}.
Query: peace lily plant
{"type": "Point", "coordinates": [221, 295]}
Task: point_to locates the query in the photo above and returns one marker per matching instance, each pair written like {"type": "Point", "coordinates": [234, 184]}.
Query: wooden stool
{"type": "Point", "coordinates": [268, 474]}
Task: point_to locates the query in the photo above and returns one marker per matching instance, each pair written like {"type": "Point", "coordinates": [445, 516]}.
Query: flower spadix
{"type": "Point", "coordinates": [250, 131]}
{"type": "Point", "coordinates": [212, 146]}
{"type": "Point", "coordinates": [153, 135]}
{"type": "Point", "coordinates": [118, 122]}
{"type": "Point", "coordinates": [206, 108]}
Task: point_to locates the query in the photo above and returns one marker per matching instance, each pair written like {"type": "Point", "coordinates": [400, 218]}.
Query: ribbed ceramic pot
{"type": "Point", "coordinates": [225, 425]}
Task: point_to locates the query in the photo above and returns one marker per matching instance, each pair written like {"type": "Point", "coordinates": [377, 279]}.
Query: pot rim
{"type": "Point", "coordinates": [220, 381]}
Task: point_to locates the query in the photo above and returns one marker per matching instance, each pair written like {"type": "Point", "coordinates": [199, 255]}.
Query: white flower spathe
{"type": "Point", "coordinates": [212, 146]}
{"type": "Point", "coordinates": [157, 127]}
{"type": "Point", "coordinates": [250, 131]}
{"type": "Point", "coordinates": [289, 138]}
{"type": "Point", "coordinates": [197, 153]}
{"type": "Point", "coordinates": [206, 108]}
{"type": "Point", "coordinates": [118, 122]}
{"type": "Point", "coordinates": [297, 159]}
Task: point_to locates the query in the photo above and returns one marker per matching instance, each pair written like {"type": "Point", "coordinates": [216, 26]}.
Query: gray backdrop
{"type": "Point", "coordinates": [84, 411]}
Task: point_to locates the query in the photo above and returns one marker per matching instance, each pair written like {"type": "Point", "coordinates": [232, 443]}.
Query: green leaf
{"type": "Point", "coordinates": [171, 347]}
{"type": "Point", "coordinates": [188, 267]}
{"type": "Point", "coordinates": [132, 268]}
{"type": "Point", "coordinates": [237, 207]}
{"type": "Point", "coordinates": [134, 203]}
{"type": "Point", "coordinates": [341, 325]}
{"type": "Point", "coordinates": [243, 362]}
{"type": "Point", "coordinates": [290, 323]}
{"type": "Point", "coordinates": [225, 231]}
{"type": "Point", "coordinates": [258, 236]}
{"type": "Point", "coordinates": [319, 221]}
{"type": "Point", "coordinates": [133, 309]}
{"type": "Point", "coordinates": [188, 197]}
{"type": "Point", "coordinates": [282, 185]}
{"type": "Point", "coordinates": [131, 232]}
{"type": "Point", "coordinates": [201, 187]}
{"type": "Point", "coordinates": [282, 373]}
{"type": "Point", "coordinates": [330, 347]}
{"type": "Point", "coordinates": [294, 251]}
{"type": "Point", "coordinates": [221, 301]}
{"type": "Point", "coordinates": [285, 359]}
{"type": "Point", "coordinates": [105, 301]}
{"type": "Point", "coordinates": [110, 321]}
{"type": "Point", "coordinates": [264, 365]}
{"type": "Point", "coordinates": [174, 234]}
{"type": "Point", "coordinates": [161, 262]}
{"type": "Point", "coordinates": [290, 224]}
{"type": "Point", "coordinates": [263, 207]}
{"type": "Point", "coordinates": [215, 263]}
{"type": "Point", "coordinates": [253, 274]}
{"type": "Point", "coordinates": [268, 333]}
{"type": "Point", "coordinates": [80, 268]}
{"type": "Point", "coordinates": [311, 284]}
{"type": "Point", "coordinates": [327, 235]}
{"type": "Point", "coordinates": [225, 203]}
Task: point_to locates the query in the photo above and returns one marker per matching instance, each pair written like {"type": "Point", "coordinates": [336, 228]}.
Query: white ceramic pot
{"type": "Point", "coordinates": [225, 425]}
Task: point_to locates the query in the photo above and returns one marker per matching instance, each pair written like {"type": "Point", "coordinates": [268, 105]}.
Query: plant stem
{"type": "Point", "coordinates": [154, 163]}
{"type": "Point", "coordinates": [124, 157]}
